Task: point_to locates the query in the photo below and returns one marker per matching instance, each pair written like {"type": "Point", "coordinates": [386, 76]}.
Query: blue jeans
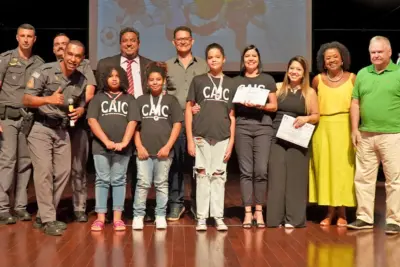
{"type": "Point", "coordinates": [145, 171]}
{"type": "Point", "coordinates": [110, 170]}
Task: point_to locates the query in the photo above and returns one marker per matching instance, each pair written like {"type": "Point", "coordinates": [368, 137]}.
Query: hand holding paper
{"type": "Point", "coordinates": [300, 136]}
{"type": "Point", "coordinates": [250, 94]}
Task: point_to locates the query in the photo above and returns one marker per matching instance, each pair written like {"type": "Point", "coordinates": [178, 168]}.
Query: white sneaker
{"type": "Point", "coordinates": [137, 223]}
{"type": "Point", "coordinates": [221, 226]}
{"type": "Point", "coordinates": [201, 225]}
{"type": "Point", "coordinates": [288, 225]}
{"type": "Point", "coordinates": [161, 222]}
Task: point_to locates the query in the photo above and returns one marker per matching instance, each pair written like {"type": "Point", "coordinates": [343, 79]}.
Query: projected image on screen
{"type": "Point", "coordinates": [280, 28]}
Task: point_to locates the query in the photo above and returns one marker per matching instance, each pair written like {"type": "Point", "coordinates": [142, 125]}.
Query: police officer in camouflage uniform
{"type": "Point", "coordinates": [78, 134]}
{"type": "Point", "coordinates": [16, 66]}
{"type": "Point", "coordinates": [49, 89]}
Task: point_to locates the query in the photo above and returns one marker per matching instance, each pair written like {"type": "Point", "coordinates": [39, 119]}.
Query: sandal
{"type": "Point", "coordinates": [260, 224]}
{"type": "Point", "coordinates": [341, 222]}
{"type": "Point", "coordinates": [119, 225]}
{"type": "Point", "coordinates": [247, 225]}
{"type": "Point", "coordinates": [97, 226]}
{"type": "Point", "coordinates": [326, 222]}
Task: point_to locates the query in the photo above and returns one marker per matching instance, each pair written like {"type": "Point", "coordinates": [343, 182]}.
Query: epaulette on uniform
{"type": "Point", "coordinates": [49, 65]}
{"type": "Point", "coordinates": [7, 53]}
{"type": "Point", "coordinates": [38, 58]}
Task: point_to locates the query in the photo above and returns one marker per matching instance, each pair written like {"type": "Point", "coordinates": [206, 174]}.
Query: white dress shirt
{"type": "Point", "coordinates": [137, 79]}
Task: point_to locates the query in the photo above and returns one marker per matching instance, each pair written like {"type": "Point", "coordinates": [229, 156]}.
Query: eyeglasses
{"type": "Point", "coordinates": [182, 40]}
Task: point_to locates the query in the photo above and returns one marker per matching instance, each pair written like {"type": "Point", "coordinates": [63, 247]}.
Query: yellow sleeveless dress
{"type": "Point", "coordinates": [332, 156]}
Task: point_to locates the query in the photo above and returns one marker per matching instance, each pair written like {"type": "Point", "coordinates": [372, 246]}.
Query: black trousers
{"type": "Point", "coordinates": [287, 184]}
{"type": "Point", "coordinates": [252, 144]}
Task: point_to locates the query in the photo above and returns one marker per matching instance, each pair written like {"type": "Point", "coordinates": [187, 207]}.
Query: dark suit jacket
{"type": "Point", "coordinates": [105, 63]}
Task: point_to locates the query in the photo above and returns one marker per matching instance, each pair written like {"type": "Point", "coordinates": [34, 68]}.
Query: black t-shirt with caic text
{"type": "Point", "coordinates": [246, 115]}
{"type": "Point", "coordinates": [113, 115]}
{"type": "Point", "coordinates": [158, 115]}
{"type": "Point", "coordinates": [215, 105]}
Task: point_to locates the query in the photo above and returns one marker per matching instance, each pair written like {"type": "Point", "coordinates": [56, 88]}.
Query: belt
{"type": "Point", "coordinates": [54, 123]}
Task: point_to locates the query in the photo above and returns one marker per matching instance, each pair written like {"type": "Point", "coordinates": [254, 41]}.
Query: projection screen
{"type": "Point", "coordinates": [280, 29]}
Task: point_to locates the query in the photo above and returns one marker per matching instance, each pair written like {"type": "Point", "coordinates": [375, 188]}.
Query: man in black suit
{"type": "Point", "coordinates": [135, 80]}
{"type": "Point", "coordinates": [128, 59]}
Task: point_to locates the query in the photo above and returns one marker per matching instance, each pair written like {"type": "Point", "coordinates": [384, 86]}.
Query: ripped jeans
{"type": "Point", "coordinates": [210, 170]}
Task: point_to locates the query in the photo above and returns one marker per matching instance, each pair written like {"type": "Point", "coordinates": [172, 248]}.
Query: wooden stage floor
{"type": "Point", "coordinates": [181, 246]}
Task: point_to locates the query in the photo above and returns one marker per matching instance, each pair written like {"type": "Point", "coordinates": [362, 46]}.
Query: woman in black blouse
{"type": "Point", "coordinates": [254, 133]}
{"type": "Point", "coordinates": [288, 164]}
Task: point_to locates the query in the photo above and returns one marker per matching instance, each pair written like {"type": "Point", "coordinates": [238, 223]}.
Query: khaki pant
{"type": "Point", "coordinates": [50, 151]}
{"type": "Point", "coordinates": [15, 165]}
{"type": "Point", "coordinates": [373, 149]}
{"type": "Point", "coordinates": [80, 153]}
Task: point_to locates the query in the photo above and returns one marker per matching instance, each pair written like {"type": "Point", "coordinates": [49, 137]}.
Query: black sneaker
{"type": "Point", "coordinates": [38, 224]}
{"type": "Point", "coordinates": [80, 216]}
{"type": "Point", "coordinates": [392, 229]}
{"type": "Point", "coordinates": [175, 214]}
{"type": "Point", "coordinates": [23, 215]}
{"type": "Point", "coordinates": [7, 218]}
{"type": "Point", "coordinates": [359, 225]}
{"type": "Point", "coordinates": [51, 228]}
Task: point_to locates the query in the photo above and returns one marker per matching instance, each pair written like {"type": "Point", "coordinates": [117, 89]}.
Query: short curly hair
{"type": "Point", "coordinates": [343, 51]}
{"type": "Point", "coordinates": [157, 66]}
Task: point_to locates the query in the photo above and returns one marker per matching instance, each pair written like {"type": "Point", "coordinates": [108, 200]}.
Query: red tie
{"type": "Point", "coordinates": [130, 77]}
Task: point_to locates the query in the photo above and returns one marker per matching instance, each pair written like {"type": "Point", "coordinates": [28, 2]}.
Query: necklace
{"type": "Point", "coordinates": [294, 89]}
{"type": "Point", "coordinates": [114, 99]}
{"type": "Point", "coordinates": [339, 77]}
{"type": "Point", "coordinates": [217, 90]}
{"type": "Point", "coordinates": [156, 110]}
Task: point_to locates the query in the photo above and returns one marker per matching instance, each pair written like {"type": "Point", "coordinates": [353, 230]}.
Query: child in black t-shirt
{"type": "Point", "coordinates": [112, 117]}
{"type": "Point", "coordinates": [210, 136]}
{"type": "Point", "coordinates": [161, 119]}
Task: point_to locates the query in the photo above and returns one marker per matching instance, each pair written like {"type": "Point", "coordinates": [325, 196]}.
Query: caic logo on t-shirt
{"type": "Point", "coordinates": [155, 112]}
{"type": "Point", "coordinates": [114, 108]}
{"type": "Point", "coordinates": [251, 86]}
{"type": "Point", "coordinates": [216, 94]}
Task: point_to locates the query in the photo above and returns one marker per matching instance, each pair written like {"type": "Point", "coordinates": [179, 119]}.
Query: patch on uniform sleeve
{"type": "Point", "coordinates": [31, 83]}
{"type": "Point", "coordinates": [36, 74]}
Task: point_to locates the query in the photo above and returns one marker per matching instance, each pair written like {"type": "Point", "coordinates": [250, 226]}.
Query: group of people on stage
{"type": "Point", "coordinates": [143, 116]}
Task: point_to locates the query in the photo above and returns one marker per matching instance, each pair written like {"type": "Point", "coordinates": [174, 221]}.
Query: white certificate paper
{"type": "Point", "coordinates": [253, 95]}
{"type": "Point", "coordinates": [300, 136]}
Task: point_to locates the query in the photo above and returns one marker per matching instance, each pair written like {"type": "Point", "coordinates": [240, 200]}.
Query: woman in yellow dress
{"type": "Point", "coordinates": [332, 160]}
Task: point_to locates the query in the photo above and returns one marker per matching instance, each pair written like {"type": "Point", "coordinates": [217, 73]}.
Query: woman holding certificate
{"type": "Point", "coordinates": [254, 134]}
{"type": "Point", "coordinates": [288, 164]}
{"type": "Point", "coordinates": [332, 162]}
